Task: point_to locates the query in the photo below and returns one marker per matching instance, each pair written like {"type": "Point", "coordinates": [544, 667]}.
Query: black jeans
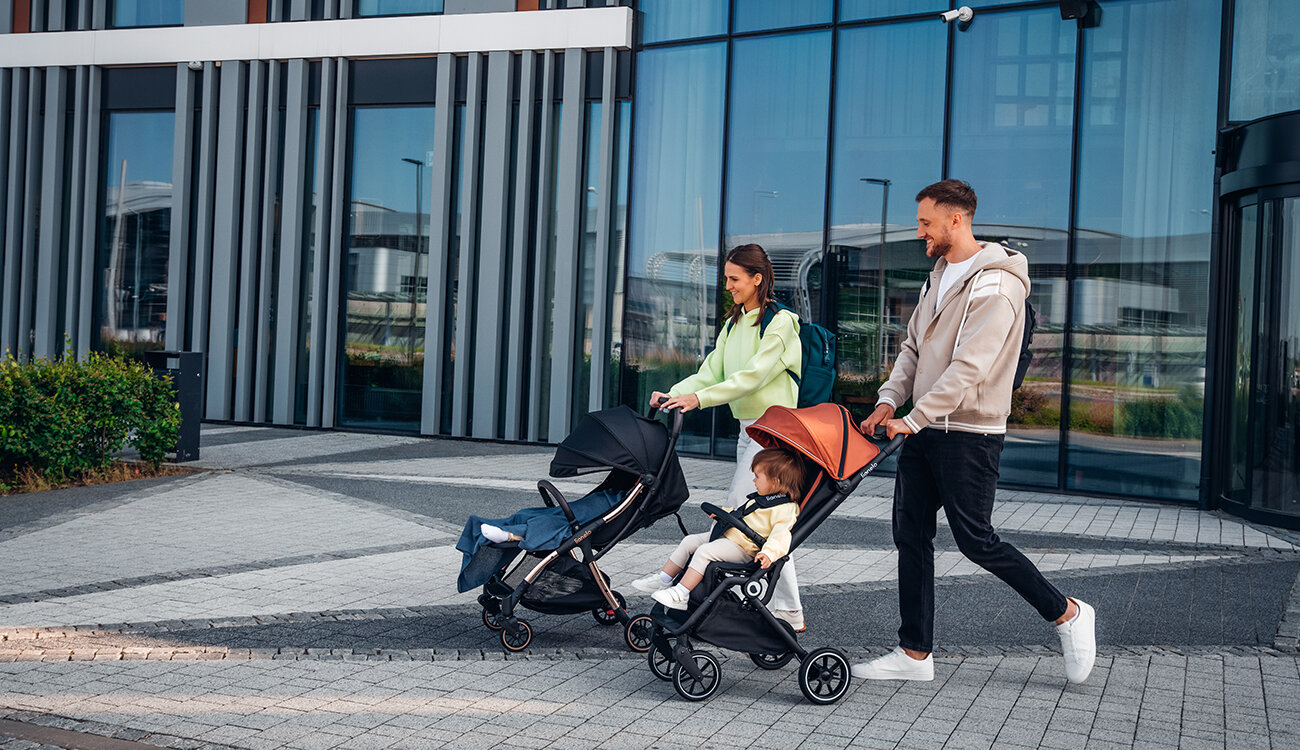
{"type": "Point", "coordinates": [957, 471]}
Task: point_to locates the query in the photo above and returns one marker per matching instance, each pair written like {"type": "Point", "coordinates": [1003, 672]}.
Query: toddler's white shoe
{"type": "Point", "coordinates": [896, 665]}
{"type": "Point", "coordinates": [650, 584]}
{"type": "Point", "coordinates": [674, 597]}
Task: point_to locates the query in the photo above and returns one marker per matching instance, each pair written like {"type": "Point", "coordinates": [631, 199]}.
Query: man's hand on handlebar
{"type": "Point", "coordinates": [884, 414]}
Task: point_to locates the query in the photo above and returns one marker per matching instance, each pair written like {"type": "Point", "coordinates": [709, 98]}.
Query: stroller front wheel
{"type": "Point", "coordinates": [605, 616]}
{"type": "Point", "coordinates": [493, 620]}
{"type": "Point", "coordinates": [662, 665]}
{"type": "Point", "coordinates": [824, 676]}
{"type": "Point", "coordinates": [694, 688]}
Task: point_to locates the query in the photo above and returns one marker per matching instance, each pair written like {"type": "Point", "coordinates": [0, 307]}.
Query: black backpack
{"type": "Point", "coordinates": [1026, 354]}
{"type": "Point", "coordinates": [817, 346]}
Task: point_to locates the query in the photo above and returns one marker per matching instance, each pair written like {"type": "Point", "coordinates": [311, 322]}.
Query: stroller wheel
{"type": "Point", "coordinates": [824, 676]}
{"type": "Point", "coordinates": [609, 616]}
{"type": "Point", "coordinates": [516, 636]}
{"type": "Point", "coordinates": [662, 665]}
{"type": "Point", "coordinates": [639, 633]}
{"type": "Point", "coordinates": [767, 661]}
{"type": "Point", "coordinates": [698, 688]}
{"type": "Point", "coordinates": [492, 620]}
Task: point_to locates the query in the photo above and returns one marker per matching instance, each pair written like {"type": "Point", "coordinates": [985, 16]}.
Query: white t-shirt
{"type": "Point", "coordinates": [951, 275]}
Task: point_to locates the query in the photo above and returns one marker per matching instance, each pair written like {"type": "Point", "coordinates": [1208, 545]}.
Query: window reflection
{"type": "Point", "coordinates": [1265, 58]}
{"type": "Point", "coordinates": [397, 7]}
{"type": "Point", "coordinates": [851, 10]}
{"type": "Point", "coordinates": [386, 267]}
{"type": "Point", "coordinates": [1143, 247]}
{"type": "Point", "coordinates": [665, 20]}
{"type": "Point", "coordinates": [670, 321]}
{"type": "Point", "coordinates": [128, 13]}
{"type": "Point", "coordinates": [1012, 122]}
{"type": "Point", "coordinates": [888, 145]}
{"type": "Point", "coordinates": [135, 231]}
{"type": "Point", "coordinates": [756, 15]}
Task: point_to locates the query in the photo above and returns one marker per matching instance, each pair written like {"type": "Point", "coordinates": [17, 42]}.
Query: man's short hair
{"type": "Point", "coordinates": [783, 468]}
{"type": "Point", "coordinates": [954, 194]}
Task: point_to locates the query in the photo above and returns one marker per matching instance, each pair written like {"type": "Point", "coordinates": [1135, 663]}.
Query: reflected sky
{"type": "Point", "coordinates": [395, 7]}
{"type": "Point", "coordinates": [380, 175]}
{"type": "Point", "coordinates": [148, 12]}
{"type": "Point", "coordinates": [144, 140]}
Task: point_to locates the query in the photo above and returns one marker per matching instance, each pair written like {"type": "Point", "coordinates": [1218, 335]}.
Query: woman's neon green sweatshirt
{"type": "Point", "coordinates": [748, 372]}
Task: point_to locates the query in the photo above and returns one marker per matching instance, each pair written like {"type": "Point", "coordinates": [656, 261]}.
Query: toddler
{"type": "Point", "coordinates": [770, 512]}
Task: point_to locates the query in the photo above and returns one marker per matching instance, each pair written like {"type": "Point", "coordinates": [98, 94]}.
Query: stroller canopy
{"type": "Point", "coordinates": [825, 433]}
{"type": "Point", "coordinates": [617, 438]}
{"type": "Point", "coordinates": [634, 445]}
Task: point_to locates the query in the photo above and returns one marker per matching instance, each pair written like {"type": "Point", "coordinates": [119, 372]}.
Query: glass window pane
{"type": "Point", "coordinates": [386, 274]}
{"type": "Point", "coordinates": [756, 15]}
{"type": "Point", "coordinates": [1277, 460]}
{"type": "Point", "coordinates": [670, 321]}
{"type": "Point", "coordinates": [312, 179]}
{"type": "Point", "coordinates": [135, 231]}
{"type": "Point", "coordinates": [665, 20]}
{"type": "Point", "coordinates": [776, 156]}
{"type": "Point", "coordinates": [586, 307]}
{"type": "Point", "coordinates": [1012, 115]}
{"type": "Point", "coordinates": [1146, 165]}
{"type": "Point", "coordinates": [126, 13]}
{"type": "Point", "coordinates": [888, 129]}
{"type": "Point", "coordinates": [397, 7]}
{"type": "Point", "coordinates": [852, 10]}
{"type": "Point", "coordinates": [1265, 58]}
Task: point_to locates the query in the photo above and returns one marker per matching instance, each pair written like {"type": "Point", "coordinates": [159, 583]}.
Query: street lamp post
{"type": "Point", "coordinates": [419, 252]}
{"type": "Point", "coordinates": [880, 282]}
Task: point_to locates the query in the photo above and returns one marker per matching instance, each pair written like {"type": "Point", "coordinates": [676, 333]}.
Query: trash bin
{"type": "Point", "coordinates": [186, 369]}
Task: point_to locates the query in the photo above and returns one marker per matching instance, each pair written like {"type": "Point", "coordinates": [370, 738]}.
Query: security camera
{"type": "Point", "coordinates": [195, 65]}
{"type": "Point", "coordinates": [963, 14]}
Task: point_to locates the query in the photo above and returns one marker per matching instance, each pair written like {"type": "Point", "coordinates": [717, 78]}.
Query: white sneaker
{"type": "Point", "coordinates": [793, 616]}
{"type": "Point", "coordinates": [650, 584]}
{"type": "Point", "coordinates": [1079, 642]}
{"type": "Point", "coordinates": [896, 665]}
{"type": "Point", "coordinates": [673, 597]}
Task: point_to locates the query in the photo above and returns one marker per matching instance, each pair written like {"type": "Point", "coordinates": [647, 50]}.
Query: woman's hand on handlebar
{"type": "Point", "coordinates": [684, 402]}
{"type": "Point", "coordinates": [657, 399]}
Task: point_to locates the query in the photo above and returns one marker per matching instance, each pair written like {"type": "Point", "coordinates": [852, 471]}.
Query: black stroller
{"type": "Point", "coordinates": [640, 455]}
{"type": "Point", "coordinates": [728, 607]}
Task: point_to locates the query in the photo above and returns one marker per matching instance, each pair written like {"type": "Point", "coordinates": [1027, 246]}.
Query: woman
{"type": "Point", "coordinates": [747, 372]}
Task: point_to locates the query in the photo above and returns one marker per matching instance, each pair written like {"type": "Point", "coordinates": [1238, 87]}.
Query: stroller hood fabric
{"type": "Point", "coordinates": [825, 433]}
{"type": "Point", "coordinates": [623, 440]}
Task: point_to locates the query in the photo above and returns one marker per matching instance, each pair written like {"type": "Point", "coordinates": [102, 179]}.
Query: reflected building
{"type": "Point", "coordinates": [484, 218]}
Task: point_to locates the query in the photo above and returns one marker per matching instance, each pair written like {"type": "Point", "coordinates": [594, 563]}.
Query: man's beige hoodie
{"type": "Point", "coordinates": [958, 361]}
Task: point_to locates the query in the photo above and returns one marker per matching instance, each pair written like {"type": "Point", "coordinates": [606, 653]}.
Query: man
{"type": "Point", "coordinates": [957, 366]}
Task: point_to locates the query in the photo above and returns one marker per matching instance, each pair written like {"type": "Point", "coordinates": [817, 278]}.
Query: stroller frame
{"type": "Point", "coordinates": [500, 600]}
{"type": "Point", "coordinates": [824, 673]}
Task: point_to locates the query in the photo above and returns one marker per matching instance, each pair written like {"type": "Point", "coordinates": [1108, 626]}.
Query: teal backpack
{"type": "Point", "coordinates": [818, 350]}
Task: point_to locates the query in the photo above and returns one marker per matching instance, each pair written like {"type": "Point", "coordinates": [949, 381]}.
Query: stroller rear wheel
{"type": "Point", "coordinates": [639, 633]}
{"type": "Point", "coordinates": [824, 676]}
{"type": "Point", "coordinates": [516, 635]}
{"type": "Point", "coordinates": [767, 661]}
{"type": "Point", "coordinates": [698, 688]}
{"type": "Point", "coordinates": [606, 616]}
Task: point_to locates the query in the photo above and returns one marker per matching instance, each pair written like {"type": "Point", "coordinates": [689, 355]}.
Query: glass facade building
{"type": "Point", "coordinates": [411, 223]}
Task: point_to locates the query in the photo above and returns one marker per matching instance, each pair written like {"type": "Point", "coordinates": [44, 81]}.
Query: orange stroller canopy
{"type": "Point", "coordinates": [825, 433]}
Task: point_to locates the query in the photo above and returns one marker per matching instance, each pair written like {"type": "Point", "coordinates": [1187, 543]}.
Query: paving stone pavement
{"type": "Point", "coordinates": [300, 593]}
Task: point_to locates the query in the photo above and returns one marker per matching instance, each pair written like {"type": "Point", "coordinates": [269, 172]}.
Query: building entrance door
{"type": "Point", "coordinates": [1263, 456]}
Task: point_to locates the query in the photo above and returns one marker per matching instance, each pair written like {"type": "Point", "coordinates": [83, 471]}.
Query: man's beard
{"type": "Point", "coordinates": [939, 248]}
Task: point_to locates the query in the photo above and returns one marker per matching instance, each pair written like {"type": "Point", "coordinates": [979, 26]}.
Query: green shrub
{"type": "Point", "coordinates": [68, 417]}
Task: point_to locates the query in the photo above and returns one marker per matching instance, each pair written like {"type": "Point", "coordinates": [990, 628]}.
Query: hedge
{"type": "Point", "coordinates": [68, 417]}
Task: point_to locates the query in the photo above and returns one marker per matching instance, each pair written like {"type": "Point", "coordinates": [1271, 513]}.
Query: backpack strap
{"type": "Point", "coordinates": [769, 314]}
